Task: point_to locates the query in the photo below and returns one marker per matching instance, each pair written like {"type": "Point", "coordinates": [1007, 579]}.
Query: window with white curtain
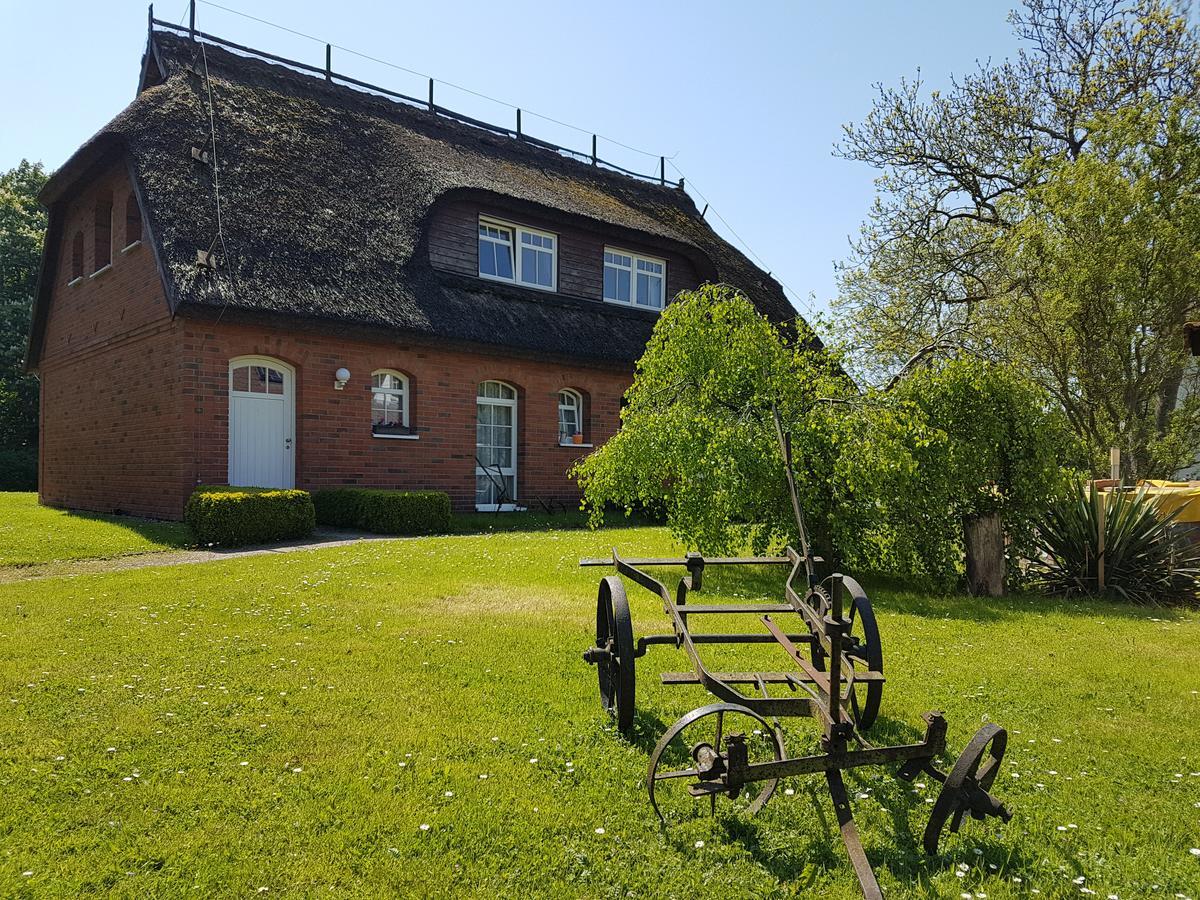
{"type": "Point", "coordinates": [495, 446]}
{"type": "Point", "coordinates": [389, 404]}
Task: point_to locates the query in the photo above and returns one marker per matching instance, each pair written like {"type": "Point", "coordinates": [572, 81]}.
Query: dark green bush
{"type": "Point", "coordinates": [337, 507]}
{"type": "Point", "coordinates": [384, 512]}
{"type": "Point", "coordinates": [232, 516]}
{"type": "Point", "coordinates": [1147, 559]}
{"type": "Point", "coordinates": [18, 469]}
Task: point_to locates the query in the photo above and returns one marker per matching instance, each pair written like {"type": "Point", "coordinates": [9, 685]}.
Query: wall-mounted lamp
{"type": "Point", "coordinates": [341, 376]}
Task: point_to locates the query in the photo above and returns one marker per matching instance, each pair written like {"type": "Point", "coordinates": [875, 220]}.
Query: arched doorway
{"type": "Point", "coordinates": [495, 446]}
{"type": "Point", "coordinates": [262, 423]}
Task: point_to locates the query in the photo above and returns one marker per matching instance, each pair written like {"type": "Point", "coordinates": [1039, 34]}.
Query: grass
{"type": "Point", "coordinates": [291, 723]}
{"type": "Point", "coordinates": [31, 534]}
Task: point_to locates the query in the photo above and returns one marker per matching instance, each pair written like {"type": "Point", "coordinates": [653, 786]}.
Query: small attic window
{"type": "Point", "coordinates": [103, 235]}
{"type": "Point", "coordinates": [133, 221]}
{"type": "Point", "coordinates": [634, 280]}
{"type": "Point", "coordinates": [77, 256]}
{"type": "Point", "coordinates": [516, 253]}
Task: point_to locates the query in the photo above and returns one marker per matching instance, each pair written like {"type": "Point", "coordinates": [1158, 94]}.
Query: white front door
{"type": "Point", "coordinates": [261, 423]}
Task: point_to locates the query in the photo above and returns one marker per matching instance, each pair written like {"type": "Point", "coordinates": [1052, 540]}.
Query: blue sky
{"type": "Point", "coordinates": [748, 98]}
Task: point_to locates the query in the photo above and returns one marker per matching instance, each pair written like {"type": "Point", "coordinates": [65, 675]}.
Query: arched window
{"type": "Point", "coordinates": [133, 221]}
{"type": "Point", "coordinates": [389, 404]}
{"type": "Point", "coordinates": [495, 446]}
{"type": "Point", "coordinates": [256, 379]}
{"type": "Point", "coordinates": [104, 205]}
{"type": "Point", "coordinates": [570, 417]}
{"type": "Point", "coordinates": [77, 256]}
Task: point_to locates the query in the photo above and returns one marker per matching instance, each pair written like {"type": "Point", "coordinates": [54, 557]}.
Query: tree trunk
{"type": "Point", "coordinates": [984, 541]}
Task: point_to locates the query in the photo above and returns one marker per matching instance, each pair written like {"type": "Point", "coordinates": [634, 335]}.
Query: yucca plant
{"type": "Point", "coordinates": [1146, 560]}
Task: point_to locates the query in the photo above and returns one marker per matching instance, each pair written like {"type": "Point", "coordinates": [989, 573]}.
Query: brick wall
{"type": "Point", "coordinates": [334, 444]}
{"type": "Point", "coordinates": [135, 407]}
{"type": "Point", "coordinates": [111, 421]}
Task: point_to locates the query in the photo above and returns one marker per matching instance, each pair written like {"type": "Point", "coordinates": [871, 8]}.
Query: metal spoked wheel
{"type": "Point", "coordinates": [965, 789]}
{"type": "Point", "coordinates": [865, 652]}
{"type": "Point", "coordinates": [692, 756]}
{"type": "Point", "coordinates": [614, 659]}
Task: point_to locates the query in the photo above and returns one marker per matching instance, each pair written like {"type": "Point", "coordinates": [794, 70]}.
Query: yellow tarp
{"type": "Point", "coordinates": [1176, 495]}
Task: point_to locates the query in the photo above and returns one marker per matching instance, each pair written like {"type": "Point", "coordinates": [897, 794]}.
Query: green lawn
{"type": "Point", "coordinates": [35, 535]}
{"type": "Point", "coordinates": [31, 534]}
{"type": "Point", "coordinates": [290, 723]}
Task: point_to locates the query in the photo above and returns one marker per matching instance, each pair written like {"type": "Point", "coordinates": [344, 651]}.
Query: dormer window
{"type": "Point", "coordinates": [633, 279]}
{"type": "Point", "coordinates": [495, 251]}
{"type": "Point", "coordinates": [518, 254]}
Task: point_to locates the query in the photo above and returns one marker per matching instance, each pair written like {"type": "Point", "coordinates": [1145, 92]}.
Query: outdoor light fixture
{"type": "Point", "coordinates": [341, 376]}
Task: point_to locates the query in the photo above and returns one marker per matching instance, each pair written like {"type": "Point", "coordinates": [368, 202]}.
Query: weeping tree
{"type": "Point", "coordinates": [887, 479]}
{"type": "Point", "coordinates": [1045, 212]}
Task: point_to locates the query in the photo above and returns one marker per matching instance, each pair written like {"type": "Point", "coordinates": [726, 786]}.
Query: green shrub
{"type": "Point", "coordinates": [1146, 559]}
{"type": "Point", "coordinates": [384, 512]}
{"type": "Point", "coordinates": [232, 516]}
{"type": "Point", "coordinates": [338, 507]}
{"type": "Point", "coordinates": [18, 469]}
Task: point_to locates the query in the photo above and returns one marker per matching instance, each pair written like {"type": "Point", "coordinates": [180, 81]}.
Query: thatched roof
{"type": "Point", "coordinates": [325, 193]}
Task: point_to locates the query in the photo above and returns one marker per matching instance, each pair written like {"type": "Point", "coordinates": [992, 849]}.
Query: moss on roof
{"type": "Point", "coordinates": [325, 191]}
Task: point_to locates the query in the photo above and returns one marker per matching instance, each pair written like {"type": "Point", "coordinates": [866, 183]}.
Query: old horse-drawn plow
{"type": "Point", "coordinates": [734, 748]}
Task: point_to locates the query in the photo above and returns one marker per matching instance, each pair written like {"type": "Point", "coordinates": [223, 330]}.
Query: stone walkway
{"type": "Point", "coordinates": [68, 568]}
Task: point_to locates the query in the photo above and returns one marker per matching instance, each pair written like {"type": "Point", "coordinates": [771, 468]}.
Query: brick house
{"type": "Point", "coordinates": [257, 276]}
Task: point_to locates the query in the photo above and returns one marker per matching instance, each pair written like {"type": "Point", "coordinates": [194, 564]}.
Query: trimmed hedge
{"type": "Point", "coordinates": [337, 507]}
{"type": "Point", "coordinates": [18, 469]}
{"type": "Point", "coordinates": [233, 516]}
{"type": "Point", "coordinates": [384, 512]}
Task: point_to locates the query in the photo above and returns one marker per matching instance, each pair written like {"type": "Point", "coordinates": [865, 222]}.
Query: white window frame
{"type": "Point", "coordinates": [511, 242]}
{"type": "Point", "coordinates": [578, 408]}
{"type": "Point", "coordinates": [633, 272]}
{"type": "Point", "coordinates": [515, 231]}
{"type": "Point", "coordinates": [512, 470]}
{"type": "Point", "coordinates": [405, 404]}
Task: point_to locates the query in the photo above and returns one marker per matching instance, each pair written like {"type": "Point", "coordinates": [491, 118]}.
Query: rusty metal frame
{"type": "Point", "coordinates": [824, 695]}
{"type": "Point", "coordinates": [814, 684]}
{"type": "Point", "coordinates": [722, 767]}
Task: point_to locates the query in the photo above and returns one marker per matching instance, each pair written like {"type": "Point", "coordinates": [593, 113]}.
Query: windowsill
{"type": "Point", "coordinates": [397, 437]}
{"type": "Point", "coordinates": [507, 507]}
{"type": "Point", "coordinates": [524, 284]}
{"type": "Point", "coordinates": [101, 271]}
{"type": "Point", "coordinates": [572, 444]}
{"type": "Point", "coordinates": [74, 281]}
{"type": "Point", "coordinates": [129, 247]}
{"type": "Point", "coordinates": [649, 309]}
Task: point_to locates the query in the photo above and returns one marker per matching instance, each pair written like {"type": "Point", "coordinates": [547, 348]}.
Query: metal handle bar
{"type": "Point", "coordinates": [691, 561]}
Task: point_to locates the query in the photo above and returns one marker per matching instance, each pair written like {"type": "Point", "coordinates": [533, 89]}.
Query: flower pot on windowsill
{"type": "Point", "coordinates": [577, 438]}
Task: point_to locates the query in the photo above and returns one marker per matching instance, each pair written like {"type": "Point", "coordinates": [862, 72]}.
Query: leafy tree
{"type": "Point", "coordinates": [885, 478]}
{"type": "Point", "coordinates": [22, 227]}
{"type": "Point", "coordinates": [1007, 451]}
{"type": "Point", "coordinates": [1044, 212]}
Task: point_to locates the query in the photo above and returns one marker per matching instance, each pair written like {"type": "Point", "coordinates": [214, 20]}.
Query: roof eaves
{"type": "Point", "coordinates": [150, 226]}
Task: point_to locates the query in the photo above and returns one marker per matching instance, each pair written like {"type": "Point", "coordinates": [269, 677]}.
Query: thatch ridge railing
{"type": "Point", "coordinates": [331, 76]}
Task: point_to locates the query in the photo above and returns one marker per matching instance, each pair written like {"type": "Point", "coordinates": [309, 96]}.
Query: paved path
{"type": "Point", "coordinates": [71, 567]}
